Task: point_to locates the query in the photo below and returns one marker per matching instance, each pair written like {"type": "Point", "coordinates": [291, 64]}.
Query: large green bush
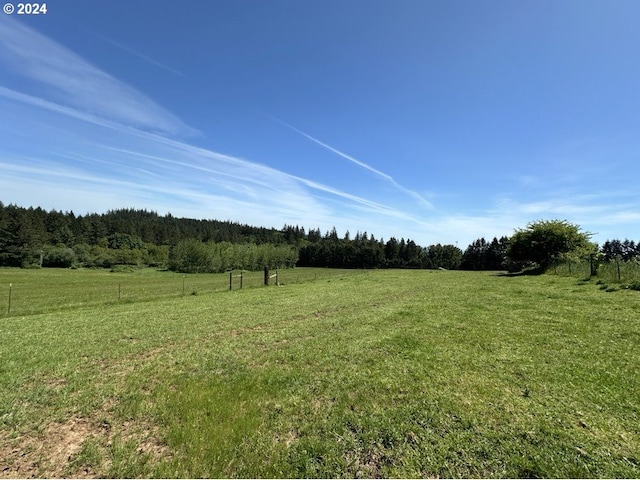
{"type": "Point", "coordinates": [546, 242]}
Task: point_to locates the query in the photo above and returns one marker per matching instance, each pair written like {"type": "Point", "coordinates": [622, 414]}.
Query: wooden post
{"type": "Point", "coordinates": [618, 265]}
{"type": "Point", "coordinates": [266, 276]}
{"type": "Point", "coordinates": [592, 272]}
{"type": "Point", "coordinates": [241, 276]}
{"type": "Point", "coordinates": [183, 277]}
{"type": "Point", "coordinates": [277, 282]}
{"type": "Point", "coordinates": [119, 285]}
{"type": "Point", "coordinates": [9, 307]}
{"type": "Point", "coordinates": [231, 280]}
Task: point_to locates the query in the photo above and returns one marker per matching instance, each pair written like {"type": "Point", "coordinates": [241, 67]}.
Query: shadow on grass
{"type": "Point", "coordinates": [525, 272]}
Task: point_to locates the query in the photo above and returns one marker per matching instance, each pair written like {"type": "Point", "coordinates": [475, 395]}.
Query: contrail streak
{"type": "Point", "coordinates": [139, 55]}
{"type": "Point", "coordinates": [421, 200]}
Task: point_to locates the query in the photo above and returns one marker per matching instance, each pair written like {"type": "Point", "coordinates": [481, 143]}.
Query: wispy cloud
{"type": "Point", "coordinates": [600, 213]}
{"type": "Point", "coordinates": [388, 178]}
{"type": "Point", "coordinates": [258, 181]}
{"type": "Point", "coordinates": [569, 205]}
{"type": "Point", "coordinates": [74, 83]}
{"type": "Point", "coordinates": [57, 108]}
{"type": "Point", "coordinates": [103, 145]}
{"type": "Point", "coordinates": [115, 166]}
{"type": "Point", "coordinates": [139, 55]}
{"type": "Point", "coordinates": [112, 146]}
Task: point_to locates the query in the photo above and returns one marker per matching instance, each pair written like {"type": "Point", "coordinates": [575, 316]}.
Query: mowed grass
{"type": "Point", "coordinates": [48, 290]}
{"type": "Point", "coordinates": [375, 374]}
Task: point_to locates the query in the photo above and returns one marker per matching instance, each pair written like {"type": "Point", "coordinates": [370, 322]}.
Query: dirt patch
{"type": "Point", "coordinates": [78, 448]}
{"type": "Point", "coordinates": [287, 438]}
{"type": "Point", "coordinates": [49, 453]}
{"type": "Point", "coordinates": [366, 464]}
{"type": "Point", "coordinates": [63, 440]}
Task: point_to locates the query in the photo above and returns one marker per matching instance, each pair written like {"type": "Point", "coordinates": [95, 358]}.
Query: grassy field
{"type": "Point", "coordinates": [334, 374]}
{"type": "Point", "coordinates": [48, 290]}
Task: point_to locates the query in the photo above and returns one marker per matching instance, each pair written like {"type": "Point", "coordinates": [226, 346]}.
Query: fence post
{"type": "Point", "coordinates": [119, 288]}
{"type": "Point", "coordinates": [231, 280]}
{"type": "Point", "coordinates": [9, 307]}
{"type": "Point", "coordinates": [618, 265]}
{"type": "Point", "coordinates": [241, 274]}
{"type": "Point", "coordinates": [592, 257]}
{"type": "Point", "coordinates": [183, 277]}
{"type": "Point", "coordinates": [277, 282]}
{"type": "Point", "coordinates": [266, 276]}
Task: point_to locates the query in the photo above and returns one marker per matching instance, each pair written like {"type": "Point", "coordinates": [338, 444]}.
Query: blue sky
{"type": "Point", "coordinates": [440, 121]}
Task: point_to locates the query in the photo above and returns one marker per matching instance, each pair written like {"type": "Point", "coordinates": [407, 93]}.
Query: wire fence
{"type": "Point", "coordinates": [27, 292]}
{"type": "Point", "coordinates": [617, 271]}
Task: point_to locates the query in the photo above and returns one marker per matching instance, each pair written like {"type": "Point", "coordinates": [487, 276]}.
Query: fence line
{"type": "Point", "coordinates": [615, 271]}
{"type": "Point", "coordinates": [36, 291]}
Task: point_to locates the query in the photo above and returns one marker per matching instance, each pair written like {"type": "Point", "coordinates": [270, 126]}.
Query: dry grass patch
{"type": "Point", "coordinates": [79, 447]}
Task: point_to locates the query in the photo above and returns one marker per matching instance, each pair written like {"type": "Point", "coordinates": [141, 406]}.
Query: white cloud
{"type": "Point", "coordinates": [73, 82]}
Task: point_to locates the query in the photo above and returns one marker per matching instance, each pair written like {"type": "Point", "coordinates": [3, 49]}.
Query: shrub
{"type": "Point", "coordinates": [58, 256]}
{"type": "Point", "coordinates": [546, 242]}
{"type": "Point", "coordinates": [634, 285]}
{"type": "Point", "coordinates": [122, 269]}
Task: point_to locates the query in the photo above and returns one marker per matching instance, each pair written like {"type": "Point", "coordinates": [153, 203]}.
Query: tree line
{"type": "Point", "coordinates": [546, 243]}
{"type": "Point", "coordinates": [34, 237]}
{"type": "Point", "coordinates": [364, 251]}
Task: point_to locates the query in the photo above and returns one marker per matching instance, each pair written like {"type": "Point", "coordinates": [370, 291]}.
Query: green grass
{"type": "Point", "coordinates": [50, 289]}
{"type": "Point", "coordinates": [374, 374]}
{"type": "Point", "coordinates": [622, 273]}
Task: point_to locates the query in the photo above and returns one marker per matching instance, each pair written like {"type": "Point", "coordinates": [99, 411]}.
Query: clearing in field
{"type": "Point", "coordinates": [334, 374]}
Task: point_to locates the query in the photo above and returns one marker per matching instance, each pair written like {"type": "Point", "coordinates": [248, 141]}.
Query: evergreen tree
{"type": "Point", "coordinates": [22, 237]}
{"type": "Point", "coordinates": [314, 235]}
{"type": "Point", "coordinates": [624, 250]}
{"type": "Point", "coordinates": [475, 256]}
{"type": "Point", "coordinates": [392, 252]}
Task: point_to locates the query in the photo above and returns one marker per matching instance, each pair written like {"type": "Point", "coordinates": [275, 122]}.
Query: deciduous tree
{"type": "Point", "coordinates": [545, 242]}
